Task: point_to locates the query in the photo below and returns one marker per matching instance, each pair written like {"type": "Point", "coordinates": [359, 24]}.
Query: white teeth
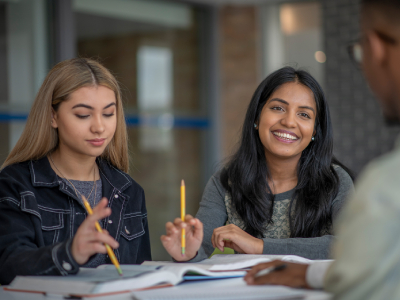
{"type": "Point", "coordinates": [285, 136]}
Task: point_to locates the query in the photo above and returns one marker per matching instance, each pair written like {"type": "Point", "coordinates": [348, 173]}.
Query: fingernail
{"type": "Point", "coordinates": [183, 225]}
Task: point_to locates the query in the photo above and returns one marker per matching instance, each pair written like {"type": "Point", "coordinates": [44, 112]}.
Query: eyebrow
{"type": "Point", "coordinates": [287, 103]}
{"type": "Point", "coordinates": [89, 107]}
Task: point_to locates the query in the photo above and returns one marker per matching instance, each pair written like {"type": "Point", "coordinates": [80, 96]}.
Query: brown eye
{"type": "Point", "coordinates": [305, 115]}
{"type": "Point", "coordinates": [276, 108]}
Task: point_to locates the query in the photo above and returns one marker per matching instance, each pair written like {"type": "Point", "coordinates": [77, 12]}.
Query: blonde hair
{"type": "Point", "coordinates": [39, 138]}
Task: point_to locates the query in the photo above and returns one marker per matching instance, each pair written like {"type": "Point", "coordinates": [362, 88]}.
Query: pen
{"type": "Point", "coordinates": [99, 229]}
{"type": "Point", "coordinates": [183, 213]}
{"type": "Point", "coordinates": [271, 269]}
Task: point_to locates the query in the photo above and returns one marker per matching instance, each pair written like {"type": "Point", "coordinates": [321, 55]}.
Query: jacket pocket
{"type": "Point", "coordinates": [132, 226]}
{"type": "Point", "coordinates": [52, 221]}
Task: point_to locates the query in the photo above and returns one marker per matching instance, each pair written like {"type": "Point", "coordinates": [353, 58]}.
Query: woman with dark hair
{"type": "Point", "coordinates": [282, 189]}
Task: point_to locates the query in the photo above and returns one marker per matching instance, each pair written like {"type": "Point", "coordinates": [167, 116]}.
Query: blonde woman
{"type": "Point", "coordinates": [74, 144]}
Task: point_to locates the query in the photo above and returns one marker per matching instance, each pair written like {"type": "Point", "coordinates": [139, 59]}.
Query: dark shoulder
{"type": "Point", "coordinates": [14, 179]}
{"type": "Point", "coordinates": [19, 171]}
{"type": "Point", "coordinates": [16, 167]}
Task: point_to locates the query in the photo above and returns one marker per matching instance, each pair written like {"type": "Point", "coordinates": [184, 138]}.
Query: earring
{"type": "Point", "coordinates": [255, 125]}
{"type": "Point", "coordinates": [313, 138]}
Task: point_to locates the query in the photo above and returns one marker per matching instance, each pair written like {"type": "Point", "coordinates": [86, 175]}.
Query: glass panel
{"type": "Point", "coordinates": [3, 83]}
{"type": "Point", "coordinates": [23, 65]}
{"type": "Point", "coordinates": [293, 36]}
{"type": "Point", "coordinates": [158, 68]}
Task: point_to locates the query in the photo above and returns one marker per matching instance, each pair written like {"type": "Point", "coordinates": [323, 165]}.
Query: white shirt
{"type": "Point", "coordinates": [316, 273]}
{"type": "Point", "coordinates": [367, 249]}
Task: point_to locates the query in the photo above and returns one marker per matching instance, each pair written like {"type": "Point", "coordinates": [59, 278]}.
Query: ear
{"type": "Point", "coordinates": [377, 48]}
{"type": "Point", "coordinates": [54, 119]}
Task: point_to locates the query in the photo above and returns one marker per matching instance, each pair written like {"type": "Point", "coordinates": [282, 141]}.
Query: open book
{"type": "Point", "coordinates": [105, 280]}
{"type": "Point", "coordinates": [234, 262]}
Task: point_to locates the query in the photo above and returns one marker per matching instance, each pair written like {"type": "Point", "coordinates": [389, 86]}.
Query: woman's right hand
{"type": "Point", "coordinates": [194, 237]}
{"type": "Point", "coordinates": [87, 240]}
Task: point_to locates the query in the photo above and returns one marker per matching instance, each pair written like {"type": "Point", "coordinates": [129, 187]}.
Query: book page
{"type": "Point", "coordinates": [232, 262]}
{"type": "Point", "coordinates": [104, 279]}
{"type": "Point", "coordinates": [107, 273]}
{"type": "Point", "coordinates": [225, 262]}
{"type": "Point", "coordinates": [182, 271]}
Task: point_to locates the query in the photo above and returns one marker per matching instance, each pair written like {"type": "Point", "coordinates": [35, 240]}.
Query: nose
{"type": "Point", "coordinates": [289, 120]}
{"type": "Point", "coordinates": [97, 125]}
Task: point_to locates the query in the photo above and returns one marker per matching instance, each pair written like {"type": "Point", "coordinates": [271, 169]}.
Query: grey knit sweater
{"type": "Point", "coordinates": [216, 210]}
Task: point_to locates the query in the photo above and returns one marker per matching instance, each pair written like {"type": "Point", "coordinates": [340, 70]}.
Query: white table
{"type": "Point", "coordinates": [192, 286]}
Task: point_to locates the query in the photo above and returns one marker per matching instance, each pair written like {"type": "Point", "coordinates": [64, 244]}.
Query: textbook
{"type": "Point", "coordinates": [234, 262]}
{"type": "Point", "coordinates": [104, 280]}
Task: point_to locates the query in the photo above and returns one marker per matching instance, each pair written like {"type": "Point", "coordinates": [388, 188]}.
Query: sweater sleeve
{"type": "Point", "coordinates": [212, 213]}
{"type": "Point", "coordinates": [318, 247]}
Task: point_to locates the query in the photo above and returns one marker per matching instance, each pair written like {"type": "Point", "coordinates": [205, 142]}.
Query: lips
{"type": "Point", "coordinates": [285, 136]}
{"type": "Point", "coordinates": [96, 142]}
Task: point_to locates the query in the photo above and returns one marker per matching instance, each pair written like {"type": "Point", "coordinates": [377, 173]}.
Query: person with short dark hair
{"type": "Point", "coordinates": [282, 189]}
{"type": "Point", "coordinates": [367, 250]}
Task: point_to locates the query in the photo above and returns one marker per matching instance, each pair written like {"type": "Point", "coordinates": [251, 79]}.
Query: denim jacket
{"type": "Point", "coordinates": [39, 215]}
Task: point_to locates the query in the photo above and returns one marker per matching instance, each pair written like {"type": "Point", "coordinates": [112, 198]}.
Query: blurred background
{"type": "Point", "coordinates": [188, 70]}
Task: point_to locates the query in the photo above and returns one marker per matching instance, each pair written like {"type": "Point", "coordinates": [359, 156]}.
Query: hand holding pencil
{"type": "Point", "coordinates": [183, 213]}
{"type": "Point", "coordinates": [87, 240]}
{"type": "Point", "coordinates": [183, 236]}
{"type": "Point", "coordinates": [99, 229]}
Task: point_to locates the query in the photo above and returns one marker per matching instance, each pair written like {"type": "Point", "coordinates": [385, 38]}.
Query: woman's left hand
{"type": "Point", "coordinates": [233, 237]}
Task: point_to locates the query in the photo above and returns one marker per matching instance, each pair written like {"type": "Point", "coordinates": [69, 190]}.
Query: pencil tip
{"type": "Point", "coordinates": [183, 182]}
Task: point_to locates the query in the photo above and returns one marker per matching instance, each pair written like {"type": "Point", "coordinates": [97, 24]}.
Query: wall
{"type": "Point", "coordinates": [240, 69]}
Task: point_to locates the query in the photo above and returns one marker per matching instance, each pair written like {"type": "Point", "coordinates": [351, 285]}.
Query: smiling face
{"type": "Point", "coordinates": [286, 122]}
{"type": "Point", "coordinates": [86, 122]}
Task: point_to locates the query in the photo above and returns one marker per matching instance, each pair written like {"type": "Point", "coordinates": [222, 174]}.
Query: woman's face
{"type": "Point", "coordinates": [286, 123]}
{"type": "Point", "coordinates": [86, 122]}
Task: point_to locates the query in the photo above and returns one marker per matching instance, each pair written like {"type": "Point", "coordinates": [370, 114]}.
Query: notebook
{"type": "Point", "coordinates": [230, 262]}
{"type": "Point", "coordinates": [105, 280]}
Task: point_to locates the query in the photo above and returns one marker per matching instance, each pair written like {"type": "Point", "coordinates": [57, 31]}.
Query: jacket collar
{"type": "Point", "coordinates": [118, 179]}
{"type": "Point", "coordinates": [43, 174]}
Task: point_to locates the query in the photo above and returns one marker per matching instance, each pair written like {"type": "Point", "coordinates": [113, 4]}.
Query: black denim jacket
{"type": "Point", "coordinates": [39, 217]}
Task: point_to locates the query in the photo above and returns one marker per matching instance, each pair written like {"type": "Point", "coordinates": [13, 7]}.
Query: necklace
{"type": "Point", "coordinates": [94, 187]}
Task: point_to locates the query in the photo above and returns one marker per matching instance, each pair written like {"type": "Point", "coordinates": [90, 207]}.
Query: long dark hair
{"type": "Point", "coordinates": [245, 175]}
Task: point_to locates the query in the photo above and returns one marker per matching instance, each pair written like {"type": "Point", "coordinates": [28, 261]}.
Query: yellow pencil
{"type": "Point", "coordinates": [99, 229]}
{"type": "Point", "coordinates": [183, 213]}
